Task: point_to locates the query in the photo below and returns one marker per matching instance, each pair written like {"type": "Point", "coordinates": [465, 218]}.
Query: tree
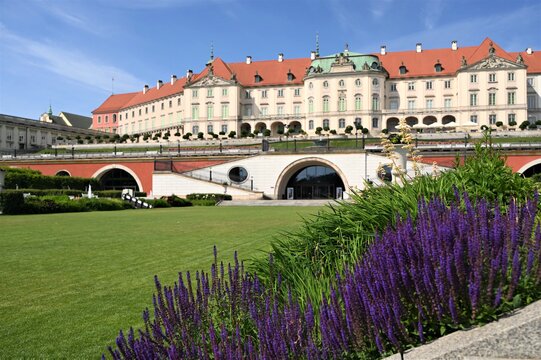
{"type": "Point", "coordinates": [499, 123]}
{"type": "Point", "coordinates": [266, 132]}
{"type": "Point", "coordinates": [365, 131]}
{"type": "Point", "coordinates": [349, 129]}
{"type": "Point", "coordinates": [232, 134]}
{"type": "Point", "coordinates": [524, 125]}
{"type": "Point", "coordinates": [319, 129]}
{"type": "Point", "coordinates": [326, 128]}
{"type": "Point", "coordinates": [385, 131]}
{"type": "Point", "coordinates": [200, 135]}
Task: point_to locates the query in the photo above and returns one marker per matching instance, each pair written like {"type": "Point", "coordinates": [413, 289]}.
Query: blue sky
{"type": "Point", "coordinates": [65, 52]}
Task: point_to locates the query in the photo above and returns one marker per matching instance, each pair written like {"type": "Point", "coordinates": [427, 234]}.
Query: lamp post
{"type": "Point", "coordinates": [252, 183]}
{"type": "Point", "coordinates": [220, 146]}
{"type": "Point", "coordinates": [72, 152]}
{"type": "Point", "coordinates": [178, 147]}
{"type": "Point", "coordinates": [210, 174]}
{"type": "Point", "coordinates": [356, 138]}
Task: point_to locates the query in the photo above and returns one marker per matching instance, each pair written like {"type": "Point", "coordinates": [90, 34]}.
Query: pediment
{"type": "Point", "coordinates": [495, 63]}
{"type": "Point", "coordinates": [211, 80]}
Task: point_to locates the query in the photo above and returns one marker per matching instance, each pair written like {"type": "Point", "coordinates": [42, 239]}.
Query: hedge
{"type": "Point", "coordinates": [18, 179]}
{"type": "Point", "coordinates": [117, 194]}
{"type": "Point", "coordinates": [215, 197]}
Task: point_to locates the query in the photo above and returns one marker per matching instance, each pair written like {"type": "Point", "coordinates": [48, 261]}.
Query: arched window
{"type": "Point", "coordinates": [341, 83]}
{"type": "Point", "coordinates": [310, 105]}
{"type": "Point", "coordinates": [325, 104]}
{"type": "Point", "coordinates": [374, 65]}
{"type": "Point", "coordinates": [358, 82]}
{"type": "Point", "coordinates": [375, 102]}
{"type": "Point", "coordinates": [325, 123]}
{"type": "Point", "coordinates": [325, 84]}
{"type": "Point", "coordinates": [311, 125]}
{"type": "Point", "coordinates": [402, 69]}
{"type": "Point", "coordinates": [375, 82]}
{"type": "Point", "coordinates": [438, 67]}
{"type": "Point", "coordinates": [310, 85]}
{"type": "Point", "coordinates": [114, 118]}
{"type": "Point", "coordinates": [358, 101]}
{"type": "Point", "coordinates": [341, 123]}
{"type": "Point", "coordinates": [358, 123]}
{"type": "Point", "coordinates": [342, 103]}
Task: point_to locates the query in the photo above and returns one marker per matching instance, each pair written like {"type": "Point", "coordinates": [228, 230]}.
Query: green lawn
{"type": "Point", "coordinates": [69, 282]}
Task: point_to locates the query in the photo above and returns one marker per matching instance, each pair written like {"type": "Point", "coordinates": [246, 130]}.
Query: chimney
{"type": "Point", "coordinates": [383, 50]}
{"type": "Point", "coordinates": [280, 57]}
{"type": "Point", "coordinates": [248, 60]}
{"type": "Point", "coordinates": [313, 55]}
{"type": "Point", "coordinates": [529, 51]}
{"type": "Point", "coordinates": [454, 45]}
{"type": "Point", "coordinates": [173, 79]}
{"type": "Point", "coordinates": [189, 74]}
{"type": "Point", "coordinates": [145, 89]}
{"type": "Point", "coordinates": [418, 47]}
{"type": "Point", "coordinates": [159, 84]}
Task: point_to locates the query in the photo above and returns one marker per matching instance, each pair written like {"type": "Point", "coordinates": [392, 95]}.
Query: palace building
{"type": "Point", "coordinates": [457, 87]}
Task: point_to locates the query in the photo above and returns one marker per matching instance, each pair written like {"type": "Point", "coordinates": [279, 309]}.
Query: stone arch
{"type": "Point", "coordinates": [245, 128]}
{"type": "Point", "coordinates": [429, 120]}
{"type": "Point", "coordinates": [295, 127]}
{"type": "Point", "coordinates": [291, 169]}
{"type": "Point", "coordinates": [275, 126]}
{"type": "Point", "coordinates": [392, 124]}
{"type": "Point", "coordinates": [412, 120]}
{"type": "Point", "coordinates": [63, 172]}
{"type": "Point", "coordinates": [260, 126]}
{"type": "Point", "coordinates": [530, 168]}
{"type": "Point", "coordinates": [104, 170]}
{"type": "Point", "coordinates": [448, 119]}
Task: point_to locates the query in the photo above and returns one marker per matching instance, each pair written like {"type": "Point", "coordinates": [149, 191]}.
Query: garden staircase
{"type": "Point", "coordinates": [135, 202]}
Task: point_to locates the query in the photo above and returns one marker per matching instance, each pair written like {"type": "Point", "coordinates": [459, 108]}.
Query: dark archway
{"type": "Point", "coordinates": [314, 182]}
{"type": "Point", "coordinates": [412, 120]}
{"type": "Point", "coordinates": [245, 129]}
{"type": "Point", "coordinates": [294, 127]}
{"type": "Point", "coordinates": [63, 173]}
{"type": "Point", "coordinates": [392, 123]}
{"type": "Point", "coordinates": [533, 170]}
{"type": "Point", "coordinates": [118, 179]}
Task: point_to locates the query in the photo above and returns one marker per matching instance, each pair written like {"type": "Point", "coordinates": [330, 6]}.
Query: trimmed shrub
{"type": "Point", "coordinates": [11, 202]}
{"type": "Point", "coordinates": [203, 202]}
{"type": "Point", "coordinates": [158, 203]}
{"type": "Point", "coordinates": [104, 204]}
{"type": "Point", "coordinates": [176, 201]}
{"type": "Point", "coordinates": [34, 180]}
{"type": "Point", "coordinates": [202, 196]}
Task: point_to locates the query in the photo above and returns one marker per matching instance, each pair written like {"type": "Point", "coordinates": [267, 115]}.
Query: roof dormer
{"type": "Point", "coordinates": [437, 66]}
{"type": "Point", "coordinates": [402, 69]}
{"type": "Point", "coordinates": [257, 78]}
{"type": "Point", "coordinates": [290, 76]}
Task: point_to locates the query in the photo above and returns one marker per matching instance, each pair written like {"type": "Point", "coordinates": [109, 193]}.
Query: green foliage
{"type": "Point", "coordinates": [523, 125]}
{"type": "Point", "coordinates": [232, 134]}
{"type": "Point", "coordinates": [202, 202]}
{"type": "Point", "coordinates": [158, 203]}
{"type": "Point", "coordinates": [176, 201]}
{"type": "Point", "coordinates": [349, 129]}
{"type": "Point", "coordinates": [31, 179]}
{"type": "Point", "coordinates": [309, 258]}
{"type": "Point", "coordinates": [203, 196]}
{"type": "Point", "coordinates": [266, 132]}
{"type": "Point", "coordinates": [11, 202]}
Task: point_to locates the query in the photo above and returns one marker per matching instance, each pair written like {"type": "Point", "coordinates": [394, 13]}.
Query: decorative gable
{"type": "Point", "coordinates": [495, 62]}
{"type": "Point", "coordinates": [211, 80]}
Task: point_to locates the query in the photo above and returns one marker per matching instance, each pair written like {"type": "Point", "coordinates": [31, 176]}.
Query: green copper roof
{"type": "Point", "coordinates": [323, 64]}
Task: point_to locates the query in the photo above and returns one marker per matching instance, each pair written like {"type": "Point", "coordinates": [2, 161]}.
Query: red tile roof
{"type": "Point", "coordinates": [272, 72]}
{"type": "Point", "coordinates": [419, 64]}
{"type": "Point", "coordinates": [533, 61]}
{"type": "Point", "coordinates": [114, 103]}
{"type": "Point", "coordinates": [154, 93]}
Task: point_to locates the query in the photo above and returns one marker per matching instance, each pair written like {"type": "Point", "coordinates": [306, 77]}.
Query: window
{"type": "Point", "coordinates": [511, 76]}
{"type": "Point", "coordinates": [133, 113]}
{"type": "Point", "coordinates": [531, 102]}
{"type": "Point", "coordinates": [99, 119]}
{"type": "Point", "coordinates": [393, 104]}
{"type": "Point", "coordinates": [170, 104]}
{"type": "Point", "coordinates": [492, 77]}
{"type": "Point", "coordinates": [194, 93]}
{"type": "Point", "coordinates": [247, 110]}
{"type": "Point", "coordinates": [224, 129]}
{"type": "Point", "coordinates": [310, 85]}
{"type": "Point", "coordinates": [375, 122]}
{"type": "Point", "coordinates": [139, 112]}
{"type": "Point", "coordinates": [511, 118]}
{"type": "Point", "coordinates": [492, 119]}
{"type": "Point", "coordinates": [326, 104]}
{"type": "Point", "coordinates": [342, 104]}
{"type": "Point", "coordinates": [473, 78]}
{"type": "Point", "coordinates": [126, 116]}
{"type": "Point", "coordinates": [290, 76]}
{"type": "Point", "coordinates": [447, 84]}
{"type": "Point", "coordinates": [247, 94]}
{"type": "Point", "coordinates": [375, 82]}
{"type": "Point", "coordinates": [238, 174]}
{"type": "Point", "coordinates": [162, 105]}
{"type": "Point", "coordinates": [438, 68]}
{"type": "Point", "coordinates": [358, 102]}
{"type": "Point", "coordinates": [152, 109]}
{"type": "Point", "coordinates": [225, 111]}
{"type": "Point", "coordinates": [447, 103]}
{"type": "Point", "coordinates": [325, 84]}
{"type": "Point", "coordinates": [473, 99]}
{"type": "Point", "coordinates": [357, 82]}
{"type": "Point", "coordinates": [120, 117]}
{"type": "Point", "coordinates": [530, 81]}
{"type": "Point", "coordinates": [402, 70]}
{"type": "Point", "coordinates": [178, 102]}
{"type": "Point", "coordinates": [341, 123]}
{"type": "Point", "coordinates": [209, 93]}
{"type": "Point", "coordinates": [341, 83]}
{"type": "Point", "coordinates": [146, 110]}
{"type": "Point", "coordinates": [325, 123]}
{"type": "Point", "coordinates": [264, 94]}
{"type": "Point", "coordinates": [311, 125]}
{"type": "Point", "coordinates": [106, 118]}
{"type": "Point", "coordinates": [411, 85]}
{"type": "Point", "coordinates": [210, 111]}
{"type": "Point", "coordinates": [429, 85]}
{"type": "Point", "coordinates": [114, 118]}
{"type": "Point", "coordinates": [297, 109]}
{"type": "Point", "coordinates": [195, 129]}
{"type": "Point", "coordinates": [195, 112]}
{"type": "Point", "coordinates": [358, 122]}
{"type": "Point", "coordinates": [280, 110]}
{"type": "Point", "coordinates": [264, 110]}
{"type": "Point", "coordinates": [411, 104]}
{"type": "Point", "coordinates": [511, 98]}
{"type": "Point", "coordinates": [297, 92]}
{"type": "Point", "coordinates": [310, 105]}
{"type": "Point", "coordinates": [491, 98]}
{"type": "Point", "coordinates": [375, 102]}
{"type": "Point", "coordinates": [473, 119]}
{"type": "Point", "coordinates": [429, 103]}
{"type": "Point", "coordinates": [280, 92]}
{"type": "Point", "coordinates": [210, 129]}
{"type": "Point", "coordinates": [393, 87]}
{"type": "Point", "coordinates": [224, 92]}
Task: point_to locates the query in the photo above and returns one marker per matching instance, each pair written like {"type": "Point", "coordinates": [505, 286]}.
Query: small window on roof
{"type": "Point", "coordinates": [438, 67]}
{"type": "Point", "coordinates": [290, 76]}
{"type": "Point", "coordinates": [257, 77]}
{"type": "Point", "coordinates": [402, 69]}
{"type": "Point", "coordinates": [374, 65]}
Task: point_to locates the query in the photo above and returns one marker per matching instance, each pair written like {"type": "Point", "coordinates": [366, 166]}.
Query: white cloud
{"type": "Point", "coordinates": [67, 63]}
{"type": "Point", "coordinates": [378, 8]}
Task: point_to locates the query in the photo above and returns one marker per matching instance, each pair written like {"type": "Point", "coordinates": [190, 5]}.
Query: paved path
{"type": "Point", "coordinates": [276, 202]}
{"type": "Point", "coordinates": [513, 337]}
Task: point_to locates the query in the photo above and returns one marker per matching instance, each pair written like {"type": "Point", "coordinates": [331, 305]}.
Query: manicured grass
{"type": "Point", "coordinates": [69, 282]}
